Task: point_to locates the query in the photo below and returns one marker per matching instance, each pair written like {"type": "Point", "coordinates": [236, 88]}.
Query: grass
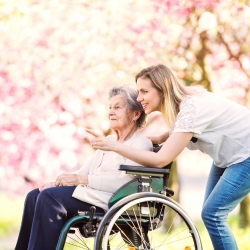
{"type": "Point", "coordinates": [11, 214]}
{"type": "Point", "coordinates": [241, 234]}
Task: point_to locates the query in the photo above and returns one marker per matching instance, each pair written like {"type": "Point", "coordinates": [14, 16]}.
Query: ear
{"type": "Point", "coordinates": [137, 115]}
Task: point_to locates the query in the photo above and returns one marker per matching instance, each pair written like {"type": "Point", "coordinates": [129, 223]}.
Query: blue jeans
{"type": "Point", "coordinates": [226, 188]}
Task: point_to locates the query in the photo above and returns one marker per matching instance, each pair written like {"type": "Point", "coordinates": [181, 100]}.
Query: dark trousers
{"type": "Point", "coordinates": [45, 214]}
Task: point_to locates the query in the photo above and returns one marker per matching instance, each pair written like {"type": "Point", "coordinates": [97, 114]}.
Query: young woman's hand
{"type": "Point", "coordinates": [101, 142]}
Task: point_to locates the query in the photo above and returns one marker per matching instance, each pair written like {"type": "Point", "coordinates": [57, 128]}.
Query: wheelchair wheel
{"type": "Point", "coordinates": [75, 240]}
{"type": "Point", "coordinates": [138, 225]}
{"type": "Point", "coordinates": [79, 232]}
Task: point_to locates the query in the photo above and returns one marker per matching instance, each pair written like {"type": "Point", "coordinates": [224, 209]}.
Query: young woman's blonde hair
{"type": "Point", "coordinates": [173, 92]}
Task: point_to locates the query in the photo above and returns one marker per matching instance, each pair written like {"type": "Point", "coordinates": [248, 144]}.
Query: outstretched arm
{"type": "Point", "coordinates": [170, 150]}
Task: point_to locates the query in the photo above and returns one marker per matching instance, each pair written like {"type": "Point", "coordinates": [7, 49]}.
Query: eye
{"type": "Point", "coordinates": [144, 91]}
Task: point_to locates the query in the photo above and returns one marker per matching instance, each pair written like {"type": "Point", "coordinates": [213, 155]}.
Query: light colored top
{"type": "Point", "coordinates": [103, 175]}
{"type": "Point", "coordinates": [221, 126]}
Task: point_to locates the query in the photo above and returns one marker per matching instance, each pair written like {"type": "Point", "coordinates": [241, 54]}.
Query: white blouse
{"type": "Point", "coordinates": [104, 178]}
{"type": "Point", "coordinates": [221, 126]}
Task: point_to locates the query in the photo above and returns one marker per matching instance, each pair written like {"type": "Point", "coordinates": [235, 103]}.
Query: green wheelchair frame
{"type": "Point", "coordinates": [137, 212]}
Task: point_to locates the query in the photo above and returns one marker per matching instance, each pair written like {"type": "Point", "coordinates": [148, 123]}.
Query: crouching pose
{"type": "Point", "coordinates": [198, 120]}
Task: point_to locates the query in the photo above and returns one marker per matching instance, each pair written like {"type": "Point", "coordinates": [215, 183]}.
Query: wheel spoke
{"type": "Point", "coordinates": [141, 226]}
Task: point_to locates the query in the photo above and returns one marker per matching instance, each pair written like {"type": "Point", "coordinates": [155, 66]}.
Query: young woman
{"type": "Point", "coordinates": [48, 208]}
{"type": "Point", "coordinates": [198, 120]}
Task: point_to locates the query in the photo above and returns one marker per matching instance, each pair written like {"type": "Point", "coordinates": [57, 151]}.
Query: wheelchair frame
{"type": "Point", "coordinates": [151, 187]}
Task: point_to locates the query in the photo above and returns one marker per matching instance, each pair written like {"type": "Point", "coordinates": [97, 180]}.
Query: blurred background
{"type": "Point", "coordinates": [59, 58]}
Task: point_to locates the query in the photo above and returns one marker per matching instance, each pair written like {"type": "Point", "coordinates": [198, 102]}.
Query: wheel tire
{"type": "Point", "coordinates": [138, 224]}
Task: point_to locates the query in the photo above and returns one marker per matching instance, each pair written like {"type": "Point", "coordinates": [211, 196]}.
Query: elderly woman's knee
{"type": "Point", "coordinates": [32, 195]}
{"type": "Point", "coordinates": [35, 194]}
{"type": "Point", "coordinates": [44, 194]}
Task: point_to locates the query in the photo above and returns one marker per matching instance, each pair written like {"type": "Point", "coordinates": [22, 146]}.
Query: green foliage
{"type": "Point", "coordinates": [10, 215]}
{"type": "Point", "coordinates": [241, 234]}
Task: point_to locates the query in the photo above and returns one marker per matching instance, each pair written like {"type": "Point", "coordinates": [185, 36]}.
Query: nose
{"type": "Point", "coordinates": [111, 112]}
{"type": "Point", "coordinates": [139, 98]}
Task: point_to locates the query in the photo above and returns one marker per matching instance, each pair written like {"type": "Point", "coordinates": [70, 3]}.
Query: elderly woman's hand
{"type": "Point", "coordinates": [71, 179]}
{"type": "Point", "coordinates": [101, 142]}
{"type": "Point", "coordinates": [47, 185]}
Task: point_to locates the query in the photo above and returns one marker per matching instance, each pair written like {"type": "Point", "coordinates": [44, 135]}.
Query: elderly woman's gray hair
{"type": "Point", "coordinates": [131, 96]}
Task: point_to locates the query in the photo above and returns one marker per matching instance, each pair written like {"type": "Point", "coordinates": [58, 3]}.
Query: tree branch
{"type": "Point", "coordinates": [232, 55]}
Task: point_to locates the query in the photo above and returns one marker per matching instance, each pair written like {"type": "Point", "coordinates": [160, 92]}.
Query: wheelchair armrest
{"type": "Point", "coordinates": [145, 171]}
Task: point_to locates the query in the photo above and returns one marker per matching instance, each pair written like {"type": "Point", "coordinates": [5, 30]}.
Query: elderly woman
{"type": "Point", "coordinates": [48, 208]}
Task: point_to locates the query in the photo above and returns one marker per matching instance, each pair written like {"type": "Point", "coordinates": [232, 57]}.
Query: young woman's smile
{"type": "Point", "coordinates": [149, 97]}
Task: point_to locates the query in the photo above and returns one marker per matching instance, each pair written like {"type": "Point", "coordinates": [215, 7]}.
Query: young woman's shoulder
{"type": "Point", "coordinates": [209, 100]}
{"type": "Point", "coordinates": [206, 99]}
{"type": "Point", "coordinates": [207, 107]}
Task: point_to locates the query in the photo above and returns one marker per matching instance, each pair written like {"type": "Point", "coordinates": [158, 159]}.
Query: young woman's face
{"type": "Point", "coordinates": [149, 96]}
{"type": "Point", "coordinates": [120, 116]}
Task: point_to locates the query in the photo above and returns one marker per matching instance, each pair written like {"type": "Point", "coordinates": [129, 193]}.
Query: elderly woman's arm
{"type": "Point", "coordinates": [71, 179]}
{"type": "Point", "coordinates": [76, 178]}
{"type": "Point", "coordinates": [66, 180]}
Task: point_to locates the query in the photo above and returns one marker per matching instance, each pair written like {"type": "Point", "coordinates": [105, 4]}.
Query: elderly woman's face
{"type": "Point", "coordinates": [120, 116]}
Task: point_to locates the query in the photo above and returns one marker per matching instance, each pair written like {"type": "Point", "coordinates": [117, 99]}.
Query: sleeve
{"type": "Point", "coordinates": [186, 117]}
{"type": "Point", "coordinates": [197, 114]}
{"type": "Point", "coordinates": [113, 183]}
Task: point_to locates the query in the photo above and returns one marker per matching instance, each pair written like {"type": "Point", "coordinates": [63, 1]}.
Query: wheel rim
{"type": "Point", "coordinates": [138, 217]}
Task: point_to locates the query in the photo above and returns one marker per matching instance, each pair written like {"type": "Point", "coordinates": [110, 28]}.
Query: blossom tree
{"type": "Point", "coordinates": [59, 58]}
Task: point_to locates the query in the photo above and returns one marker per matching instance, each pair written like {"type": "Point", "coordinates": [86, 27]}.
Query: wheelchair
{"type": "Point", "coordinates": [141, 216]}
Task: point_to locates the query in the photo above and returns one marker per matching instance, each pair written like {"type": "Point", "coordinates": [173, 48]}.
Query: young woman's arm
{"type": "Point", "coordinates": [169, 151]}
